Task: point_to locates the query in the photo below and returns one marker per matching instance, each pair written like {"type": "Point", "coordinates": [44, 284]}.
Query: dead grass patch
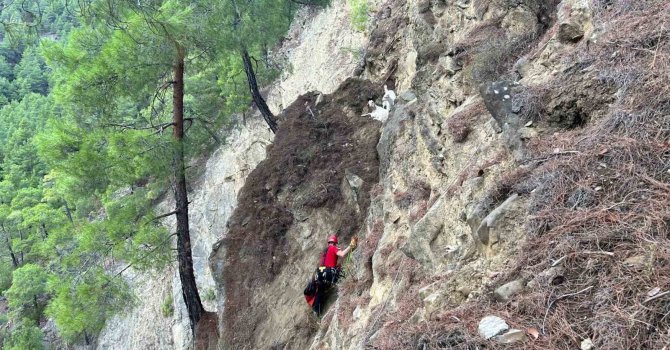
{"type": "Point", "coordinates": [490, 51]}
{"type": "Point", "coordinates": [352, 293]}
{"type": "Point", "coordinates": [460, 124]}
{"type": "Point", "coordinates": [598, 197]}
{"type": "Point", "coordinates": [417, 191]}
{"type": "Point", "coordinates": [372, 240]}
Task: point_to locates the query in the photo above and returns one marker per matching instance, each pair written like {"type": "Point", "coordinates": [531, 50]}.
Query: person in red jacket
{"type": "Point", "coordinates": [333, 252]}
{"type": "Point", "coordinates": [329, 271]}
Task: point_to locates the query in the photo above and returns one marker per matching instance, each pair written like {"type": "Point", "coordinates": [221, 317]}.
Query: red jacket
{"type": "Point", "coordinates": [330, 257]}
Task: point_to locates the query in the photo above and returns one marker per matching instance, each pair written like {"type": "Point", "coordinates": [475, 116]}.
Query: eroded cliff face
{"type": "Point", "coordinates": [510, 144]}
{"type": "Point", "coordinates": [523, 165]}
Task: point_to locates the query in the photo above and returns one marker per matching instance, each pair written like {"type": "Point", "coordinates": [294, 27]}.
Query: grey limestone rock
{"type": "Point", "coordinates": [508, 290]}
{"type": "Point", "coordinates": [570, 32]}
{"type": "Point", "coordinates": [512, 336]}
{"type": "Point", "coordinates": [490, 326]}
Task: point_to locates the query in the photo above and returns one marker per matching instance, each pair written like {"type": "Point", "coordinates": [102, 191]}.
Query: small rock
{"type": "Point", "coordinates": [508, 290]}
{"type": "Point", "coordinates": [529, 124]}
{"type": "Point", "coordinates": [570, 33]}
{"type": "Point", "coordinates": [490, 326]}
{"type": "Point", "coordinates": [551, 272]}
{"type": "Point", "coordinates": [653, 292]}
{"type": "Point", "coordinates": [418, 316]}
{"type": "Point", "coordinates": [306, 233]}
{"type": "Point", "coordinates": [432, 301]}
{"type": "Point", "coordinates": [523, 66]}
{"type": "Point", "coordinates": [587, 344]}
{"type": "Point", "coordinates": [423, 6]}
{"type": "Point", "coordinates": [512, 336]}
{"type": "Point", "coordinates": [358, 312]}
{"type": "Point", "coordinates": [374, 336]}
{"type": "Point", "coordinates": [464, 4]}
{"type": "Point", "coordinates": [408, 96]}
{"type": "Point", "coordinates": [465, 291]}
{"type": "Point", "coordinates": [527, 133]}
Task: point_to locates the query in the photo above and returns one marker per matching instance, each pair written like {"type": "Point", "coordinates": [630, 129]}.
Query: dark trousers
{"type": "Point", "coordinates": [326, 278]}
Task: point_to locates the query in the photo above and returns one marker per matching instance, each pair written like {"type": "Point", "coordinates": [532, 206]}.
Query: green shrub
{"type": "Point", "coordinates": [5, 276]}
{"type": "Point", "coordinates": [359, 14]}
{"type": "Point", "coordinates": [167, 309]}
{"type": "Point", "coordinates": [25, 336]}
{"type": "Point", "coordinates": [356, 53]}
{"type": "Point", "coordinates": [209, 295]}
{"type": "Point", "coordinates": [27, 295]}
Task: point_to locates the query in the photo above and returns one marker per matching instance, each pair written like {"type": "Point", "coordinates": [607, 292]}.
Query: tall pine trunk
{"type": "Point", "coordinates": [184, 255]}
{"type": "Point", "coordinates": [255, 93]}
{"type": "Point", "coordinates": [15, 261]}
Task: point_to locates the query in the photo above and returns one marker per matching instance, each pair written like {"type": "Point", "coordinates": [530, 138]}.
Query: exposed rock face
{"type": "Point", "coordinates": [446, 216]}
{"type": "Point", "coordinates": [417, 228]}
{"type": "Point", "coordinates": [453, 216]}
{"type": "Point", "coordinates": [151, 292]}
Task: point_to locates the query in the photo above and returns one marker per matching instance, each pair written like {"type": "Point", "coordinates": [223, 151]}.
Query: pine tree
{"type": "Point", "coordinates": [132, 67]}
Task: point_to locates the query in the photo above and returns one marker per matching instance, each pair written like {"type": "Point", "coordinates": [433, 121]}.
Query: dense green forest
{"type": "Point", "coordinates": [101, 105]}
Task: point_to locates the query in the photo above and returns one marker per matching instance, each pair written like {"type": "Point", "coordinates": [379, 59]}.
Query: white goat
{"type": "Point", "coordinates": [389, 98]}
{"type": "Point", "coordinates": [378, 112]}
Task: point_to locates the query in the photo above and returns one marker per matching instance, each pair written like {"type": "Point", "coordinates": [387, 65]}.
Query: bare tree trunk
{"type": "Point", "coordinates": [184, 255]}
{"type": "Point", "coordinates": [255, 93]}
{"type": "Point", "coordinates": [68, 212]}
{"type": "Point", "coordinates": [20, 255]}
{"type": "Point", "coordinates": [15, 261]}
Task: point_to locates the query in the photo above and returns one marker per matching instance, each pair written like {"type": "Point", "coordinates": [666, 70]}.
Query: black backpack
{"type": "Point", "coordinates": [311, 288]}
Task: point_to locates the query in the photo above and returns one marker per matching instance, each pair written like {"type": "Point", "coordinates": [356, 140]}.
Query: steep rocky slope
{"type": "Point", "coordinates": [522, 174]}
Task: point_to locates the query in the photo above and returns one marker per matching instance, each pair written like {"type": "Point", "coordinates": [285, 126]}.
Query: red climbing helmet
{"type": "Point", "coordinates": [332, 239]}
